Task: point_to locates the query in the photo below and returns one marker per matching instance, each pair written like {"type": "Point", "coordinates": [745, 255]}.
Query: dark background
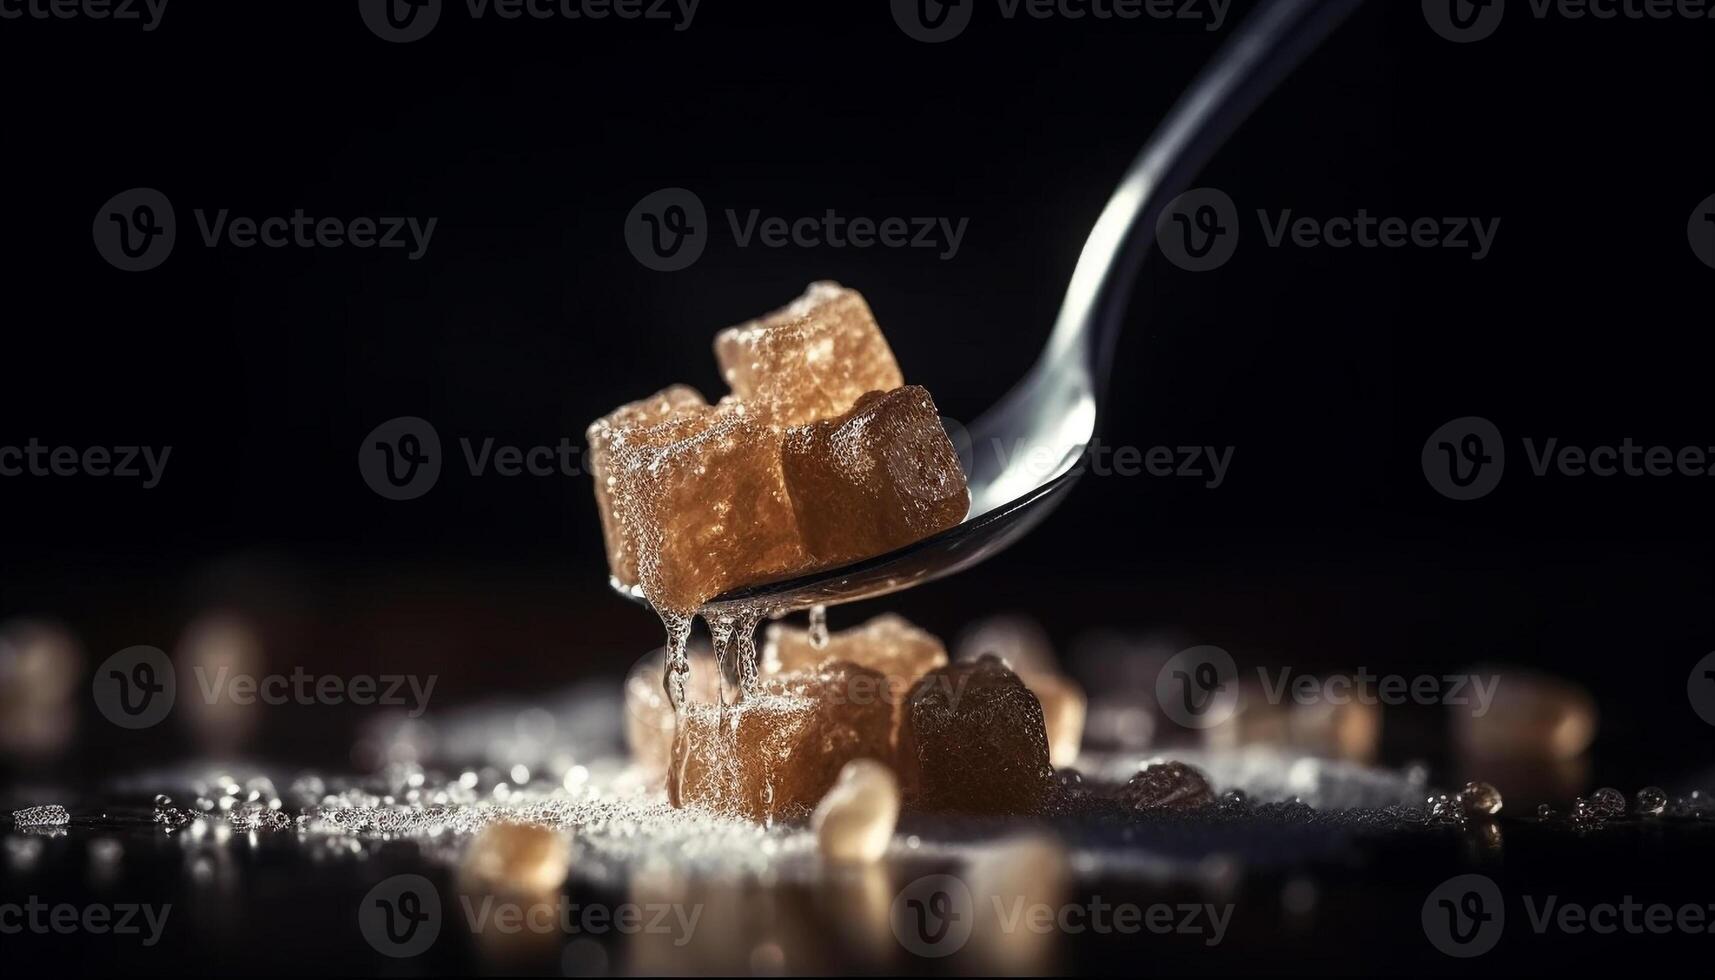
{"type": "Point", "coordinates": [528, 317]}
{"type": "Point", "coordinates": [531, 141]}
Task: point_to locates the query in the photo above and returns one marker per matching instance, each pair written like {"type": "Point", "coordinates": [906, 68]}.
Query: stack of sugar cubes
{"type": "Point", "coordinates": [820, 456]}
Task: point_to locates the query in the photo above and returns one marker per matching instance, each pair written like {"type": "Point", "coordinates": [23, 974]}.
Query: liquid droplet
{"type": "Point", "coordinates": [676, 668]}
{"type": "Point", "coordinates": [1651, 801]}
{"type": "Point", "coordinates": [819, 627]}
{"type": "Point", "coordinates": [1609, 802]}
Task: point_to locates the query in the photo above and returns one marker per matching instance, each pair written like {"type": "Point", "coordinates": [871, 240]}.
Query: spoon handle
{"type": "Point", "coordinates": [1266, 47]}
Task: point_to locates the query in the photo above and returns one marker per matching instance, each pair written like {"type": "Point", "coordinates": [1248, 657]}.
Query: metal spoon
{"type": "Point", "coordinates": [1052, 414]}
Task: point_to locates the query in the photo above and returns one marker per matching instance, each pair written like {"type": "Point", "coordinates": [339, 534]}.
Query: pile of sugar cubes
{"type": "Point", "coordinates": [965, 736]}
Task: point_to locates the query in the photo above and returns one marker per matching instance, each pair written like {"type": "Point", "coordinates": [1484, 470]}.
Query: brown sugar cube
{"type": "Point", "coordinates": [809, 360]}
{"type": "Point", "coordinates": [972, 740]}
{"type": "Point", "coordinates": [670, 403]}
{"type": "Point", "coordinates": [876, 478]}
{"type": "Point", "coordinates": [703, 505]}
{"type": "Point", "coordinates": [888, 644]}
{"type": "Point", "coordinates": [775, 753]}
{"type": "Point", "coordinates": [1023, 645]}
